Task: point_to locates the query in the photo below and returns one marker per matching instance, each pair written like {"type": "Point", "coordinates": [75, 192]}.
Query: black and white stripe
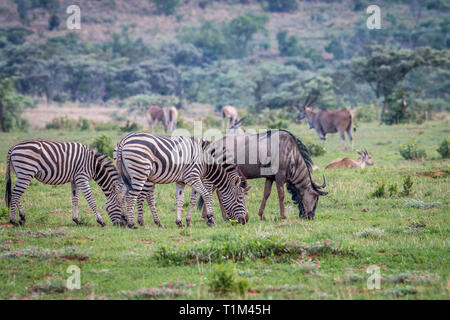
{"type": "Point", "coordinates": [145, 157]}
{"type": "Point", "coordinates": [58, 163]}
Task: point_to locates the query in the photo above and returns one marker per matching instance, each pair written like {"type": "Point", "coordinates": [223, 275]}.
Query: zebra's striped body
{"type": "Point", "coordinates": [58, 163]}
{"type": "Point", "coordinates": [145, 157]}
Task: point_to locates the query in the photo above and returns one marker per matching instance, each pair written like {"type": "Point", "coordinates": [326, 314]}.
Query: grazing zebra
{"type": "Point", "coordinates": [183, 160]}
{"type": "Point", "coordinates": [57, 163]}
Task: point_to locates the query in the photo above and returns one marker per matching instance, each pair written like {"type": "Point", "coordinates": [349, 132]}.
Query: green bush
{"type": "Point", "coordinates": [315, 149]}
{"type": "Point", "coordinates": [366, 113]}
{"type": "Point", "coordinates": [407, 186]}
{"type": "Point", "coordinates": [278, 124]}
{"type": "Point", "coordinates": [412, 151]}
{"type": "Point", "coordinates": [223, 281]}
{"type": "Point", "coordinates": [444, 148]}
{"type": "Point", "coordinates": [104, 145]}
{"type": "Point", "coordinates": [61, 123]}
{"type": "Point", "coordinates": [380, 190]}
{"type": "Point", "coordinates": [130, 127]}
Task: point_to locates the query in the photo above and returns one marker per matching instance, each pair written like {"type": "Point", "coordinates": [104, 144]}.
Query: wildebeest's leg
{"type": "Point", "coordinates": [83, 184]}
{"type": "Point", "coordinates": [267, 191]}
{"type": "Point", "coordinates": [280, 188]}
{"type": "Point", "coordinates": [350, 138]}
{"type": "Point", "coordinates": [74, 203]}
{"type": "Point", "coordinates": [194, 196]}
{"type": "Point", "coordinates": [151, 203]}
{"type": "Point", "coordinates": [180, 202]}
{"type": "Point", "coordinates": [342, 135]}
{"type": "Point", "coordinates": [22, 183]}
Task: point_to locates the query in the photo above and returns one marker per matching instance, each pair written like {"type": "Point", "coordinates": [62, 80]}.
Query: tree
{"type": "Point", "coordinates": [383, 70]}
{"type": "Point", "coordinates": [166, 7]}
{"type": "Point", "coordinates": [11, 105]}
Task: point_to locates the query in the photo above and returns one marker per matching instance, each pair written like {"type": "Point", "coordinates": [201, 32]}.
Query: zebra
{"type": "Point", "coordinates": [141, 156]}
{"type": "Point", "coordinates": [56, 163]}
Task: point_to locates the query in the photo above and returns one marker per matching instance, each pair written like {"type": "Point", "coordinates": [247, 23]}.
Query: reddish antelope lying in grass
{"type": "Point", "coordinates": [360, 163]}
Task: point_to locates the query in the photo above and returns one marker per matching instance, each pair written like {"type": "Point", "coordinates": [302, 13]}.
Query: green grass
{"type": "Point", "coordinates": [325, 258]}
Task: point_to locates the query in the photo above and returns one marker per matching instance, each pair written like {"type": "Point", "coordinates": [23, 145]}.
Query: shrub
{"type": "Point", "coordinates": [315, 149]}
{"type": "Point", "coordinates": [129, 127]}
{"type": "Point", "coordinates": [444, 148]}
{"type": "Point", "coordinates": [407, 186]}
{"type": "Point", "coordinates": [61, 123]}
{"type": "Point", "coordinates": [278, 124]}
{"type": "Point", "coordinates": [380, 190]}
{"type": "Point", "coordinates": [210, 121]}
{"type": "Point", "coordinates": [104, 145]}
{"type": "Point", "coordinates": [393, 189]}
{"type": "Point", "coordinates": [412, 151]}
{"type": "Point", "coordinates": [223, 281]}
{"type": "Point", "coordinates": [366, 113]}
{"type": "Point", "coordinates": [370, 233]}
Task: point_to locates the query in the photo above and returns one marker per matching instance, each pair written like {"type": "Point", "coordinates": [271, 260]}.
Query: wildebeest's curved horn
{"type": "Point", "coordinates": [323, 185]}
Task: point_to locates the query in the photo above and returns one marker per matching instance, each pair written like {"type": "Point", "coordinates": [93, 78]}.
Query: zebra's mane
{"type": "Point", "coordinates": [105, 163]}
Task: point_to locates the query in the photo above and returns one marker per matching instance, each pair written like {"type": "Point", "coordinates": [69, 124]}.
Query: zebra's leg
{"type": "Point", "coordinates": [180, 202]}
{"type": "Point", "coordinates": [222, 208]}
{"type": "Point", "coordinates": [206, 193]}
{"type": "Point", "coordinates": [193, 200]}
{"type": "Point", "coordinates": [280, 188]}
{"type": "Point", "coordinates": [151, 203]}
{"type": "Point", "coordinates": [267, 191]}
{"type": "Point", "coordinates": [22, 183]}
{"type": "Point", "coordinates": [140, 209]}
{"type": "Point", "coordinates": [86, 191]}
{"type": "Point", "coordinates": [74, 203]}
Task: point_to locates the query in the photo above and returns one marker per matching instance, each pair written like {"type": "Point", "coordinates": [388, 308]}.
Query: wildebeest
{"type": "Point", "coordinates": [172, 118]}
{"type": "Point", "coordinates": [289, 163]}
{"type": "Point", "coordinates": [363, 160]}
{"type": "Point", "coordinates": [328, 121]}
{"type": "Point", "coordinates": [157, 114]}
{"type": "Point", "coordinates": [230, 113]}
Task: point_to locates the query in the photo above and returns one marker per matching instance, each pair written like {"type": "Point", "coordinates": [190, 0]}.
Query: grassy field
{"type": "Point", "coordinates": [326, 258]}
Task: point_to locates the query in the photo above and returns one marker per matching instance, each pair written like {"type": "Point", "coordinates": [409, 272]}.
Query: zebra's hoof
{"type": "Point", "coordinates": [188, 222]}
{"type": "Point", "coordinates": [179, 224]}
{"type": "Point", "coordinates": [76, 221]}
{"type": "Point", "coordinates": [22, 222]}
{"type": "Point", "coordinates": [14, 223]}
{"type": "Point", "coordinates": [141, 223]}
{"type": "Point", "coordinates": [159, 224]}
{"type": "Point", "coordinates": [241, 220]}
{"type": "Point", "coordinates": [210, 223]}
{"type": "Point", "coordinates": [132, 226]}
{"type": "Point", "coordinates": [100, 222]}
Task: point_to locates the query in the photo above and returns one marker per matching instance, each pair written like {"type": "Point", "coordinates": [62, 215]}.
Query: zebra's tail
{"type": "Point", "coordinates": [200, 203]}
{"type": "Point", "coordinates": [8, 180]}
{"type": "Point", "coordinates": [121, 168]}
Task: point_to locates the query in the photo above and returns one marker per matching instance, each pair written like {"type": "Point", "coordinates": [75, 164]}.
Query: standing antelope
{"type": "Point", "coordinates": [328, 121]}
{"type": "Point", "coordinates": [172, 118]}
{"type": "Point", "coordinates": [230, 113]}
{"type": "Point", "coordinates": [57, 163]}
{"type": "Point", "coordinates": [363, 160]}
{"type": "Point", "coordinates": [145, 157]}
{"type": "Point", "coordinates": [157, 114]}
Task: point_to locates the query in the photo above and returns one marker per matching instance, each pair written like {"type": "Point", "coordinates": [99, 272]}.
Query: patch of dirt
{"type": "Point", "coordinates": [5, 225]}
{"type": "Point", "coordinates": [437, 174]}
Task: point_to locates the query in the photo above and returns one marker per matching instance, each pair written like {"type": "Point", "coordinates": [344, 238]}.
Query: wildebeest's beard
{"type": "Point", "coordinates": [297, 199]}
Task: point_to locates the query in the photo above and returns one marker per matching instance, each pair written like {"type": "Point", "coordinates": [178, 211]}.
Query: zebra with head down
{"type": "Point", "coordinates": [57, 163]}
{"type": "Point", "coordinates": [142, 157]}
